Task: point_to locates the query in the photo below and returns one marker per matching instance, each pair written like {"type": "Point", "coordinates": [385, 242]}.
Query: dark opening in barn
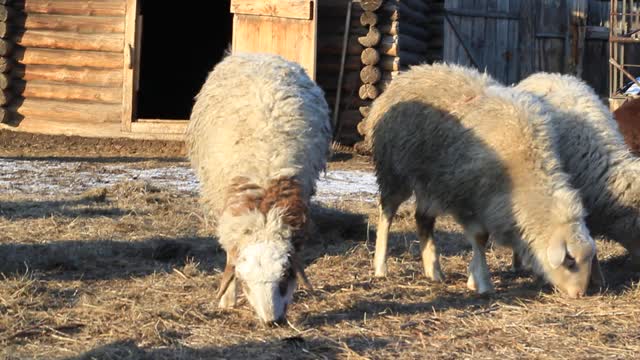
{"type": "Point", "coordinates": [180, 45]}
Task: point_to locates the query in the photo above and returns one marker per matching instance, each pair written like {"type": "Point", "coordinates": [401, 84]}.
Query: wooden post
{"type": "Point", "coordinates": [129, 68]}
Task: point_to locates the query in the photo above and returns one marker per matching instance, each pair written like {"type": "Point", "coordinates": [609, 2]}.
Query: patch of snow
{"type": "Point", "coordinates": [50, 177]}
{"type": "Point", "coordinates": [339, 184]}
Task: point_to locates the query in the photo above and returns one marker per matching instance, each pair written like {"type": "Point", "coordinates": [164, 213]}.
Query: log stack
{"type": "Point", "coordinates": [6, 48]}
{"type": "Point", "coordinates": [385, 36]}
{"type": "Point", "coordinates": [406, 39]}
{"type": "Point", "coordinates": [331, 29]}
{"type": "Point", "coordinates": [64, 60]}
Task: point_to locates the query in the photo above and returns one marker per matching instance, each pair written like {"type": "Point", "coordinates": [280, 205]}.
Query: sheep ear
{"type": "Point", "coordinates": [597, 278]}
{"type": "Point", "coordinates": [298, 269]}
{"type": "Point", "coordinates": [556, 253]}
{"type": "Point", "coordinates": [228, 275]}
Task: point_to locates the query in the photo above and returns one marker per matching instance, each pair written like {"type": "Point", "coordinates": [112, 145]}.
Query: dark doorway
{"type": "Point", "coordinates": [180, 45]}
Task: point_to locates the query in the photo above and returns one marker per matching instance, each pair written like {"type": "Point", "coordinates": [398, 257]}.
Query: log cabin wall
{"type": "Point", "coordinates": [66, 65]}
{"type": "Point", "coordinates": [385, 36]}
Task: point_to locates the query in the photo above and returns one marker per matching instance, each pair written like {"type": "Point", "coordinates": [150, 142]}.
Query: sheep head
{"type": "Point", "coordinates": [267, 226]}
{"type": "Point", "coordinates": [568, 260]}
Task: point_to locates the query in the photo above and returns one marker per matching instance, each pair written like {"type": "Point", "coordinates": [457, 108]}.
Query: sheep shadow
{"type": "Point", "coordinates": [294, 347]}
{"type": "Point", "coordinates": [67, 260]}
{"type": "Point", "coordinates": [80, 207]}
{"type": "Point", "coordinates": [385, 303]}
{"type": "Point", "coordinates": [619, 274]}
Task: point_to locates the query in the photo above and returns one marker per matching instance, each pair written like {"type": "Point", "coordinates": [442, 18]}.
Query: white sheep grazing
{"type": "Point", "coordinates": [468, 147]}
{"type": "Point", "coordinates": [258, 139]}
{"type": "Point", "coordinates": [595, 156]}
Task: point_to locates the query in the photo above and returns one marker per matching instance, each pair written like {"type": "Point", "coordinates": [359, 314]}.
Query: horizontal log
{"type": "Point", "coordinates": [371, 39]}
{"type": "Point", "coordinates": [73, 7]}
{"type": "Point", "coordinates": [418, 6]}
{"type": "Point", "coordinates": [350, 82]}
{"type": "Point", "coordinates": [69, 75]}
{"type": "Point", "coordinates": [352, 63]}
{"type": "Point", "coordinates": [79, 24]}
{"type": "Point", "coordinates": [434, 30]}
{"type": "Point", "coordinates": [408, 58]}
{"type": "Point", "coordinates": [369, 56]}
{"type": "Point", "coordinates": [349, 119]}
{"type": "Point", "coordinates": [389, 63]}
{"type": "Point", "coordinates": [368, 91]}
{"type": "Point", "coordinates": [370, 5]}
{"type": "Point", "coordinates": [370, 74]}
{"type": "Point", "coordinates": [349, 102]}
{"type": "Point", "coordinates": [5, 97]}
{"type": "Point", "coordinates": [6, 64]}
{"type": "Point", "coordinates": [5, 79]}
{"type": "Point", "coordinates": [4, 30]}
{"type": "Point", "coordinates": [416, 32]}
{"type": "Point", "coordinates": [6, 47]}
{"type": "Point", "coordinates": [52, 126]}
{"type": "Point", "coordinates": [70, 40]}
{"type": "Point", "coordinates": [69, 58]}
{"type": "Point", "coordinates": [364, 111]}
{"type": "Point", "coordinates": [400, 12]}
{"type": "Point", "coordinates": [437, 42]}
{"type": "Point", "coordinates": [436, 6]}
{"type": "Point", "coordinates": [7, 13]}
{"type": "Point", "coordinates": [368, 18]}
{"type": "Point", "coordinates": [67, 110]}
{"type": "Point", "coordinates": [435, 19]}
{"type": "Point", "coordinates": [362, 128]}
{"type": "Point", "coordinates": [62, 91]}
{"type": "Point", "coordinates": [333, 45]}
{"type": "Point", "coordinates": [391, 45]}
{"type": "Point", "coordinates": [390, 75]}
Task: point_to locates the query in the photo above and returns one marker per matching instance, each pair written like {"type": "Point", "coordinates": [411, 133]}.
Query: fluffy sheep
{"type": "Point", "coordinates": [258, 138]}
{"type": "Point", "coordinates": [595, 156]}
{"type": "Point", "coordinates": [628, 118]}
{"type": "Point", "coordinates": [468, 147]}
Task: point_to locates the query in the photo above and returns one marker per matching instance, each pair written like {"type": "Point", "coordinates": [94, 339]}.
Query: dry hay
{"type": "Point", "coordinates": [130, 271]}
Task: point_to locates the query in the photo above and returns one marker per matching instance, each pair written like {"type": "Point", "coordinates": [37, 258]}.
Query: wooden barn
{"type": "Point", "coordinates": [130, 68]}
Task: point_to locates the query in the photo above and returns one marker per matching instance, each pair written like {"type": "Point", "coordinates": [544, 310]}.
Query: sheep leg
{"type": "Point", "coordinates": [228, 299]}
{"type": "Point", "coordinates": [388, 208]}
{"type": "Point", "coordinates": [428, 249]}
{"type": "Point", "coordinates": [479, 276]}
{"type": "Point", "coordinates": [516, 262]}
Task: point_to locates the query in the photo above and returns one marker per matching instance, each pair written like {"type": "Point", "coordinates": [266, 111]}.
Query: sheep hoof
{"type": "Point", "coordinates": [483, 288]}
{"type": "Point", "coordinates": [227, 302]}
{"type": "Point", "coordinates": [380, 271]}
{"type": "Point", "coordinates": [435, 275]}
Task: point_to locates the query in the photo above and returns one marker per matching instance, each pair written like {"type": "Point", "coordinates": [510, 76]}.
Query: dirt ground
{"type": "Point", "coordinates": [104, 254]}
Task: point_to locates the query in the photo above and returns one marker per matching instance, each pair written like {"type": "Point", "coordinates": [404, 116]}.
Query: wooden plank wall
{"type": "Point", "coordinates": [293, 38]}
{"type": "Point", "coordinates": [515, 38]}
{"type": "Point", "coordinates": [491, 41]}
{"type": "Point", "coordinates": [596, 53]}
{"type": "Point", "coordinates": [67, 61]}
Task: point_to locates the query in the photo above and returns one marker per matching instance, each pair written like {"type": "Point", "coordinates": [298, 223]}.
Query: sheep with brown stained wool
{"type": "Point", "coordinates": [258, 138]}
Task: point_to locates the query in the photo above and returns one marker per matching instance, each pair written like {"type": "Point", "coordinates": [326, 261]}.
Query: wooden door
{"type": "Point", "coordinates": [483, 34]}
{"type": "Point", "coordinates": [283, 27]}
{"type": "Point", "coordinates": [131, 124]}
